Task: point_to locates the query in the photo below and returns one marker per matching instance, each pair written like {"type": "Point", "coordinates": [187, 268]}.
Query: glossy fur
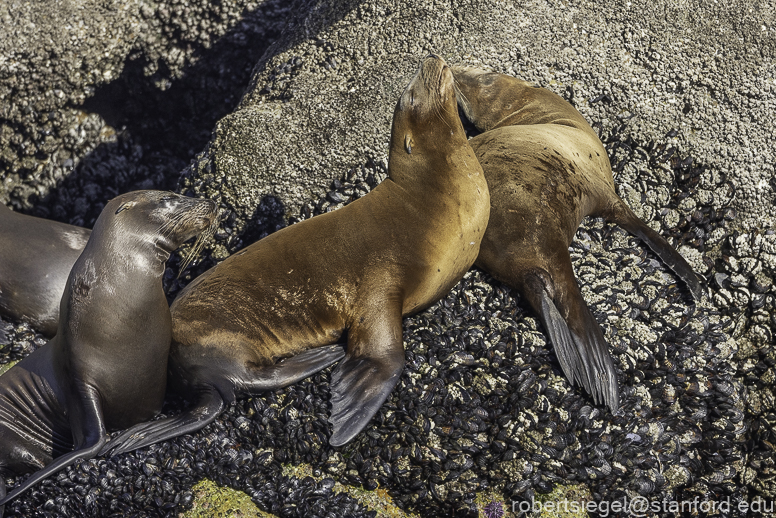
{"type": "Point", "coordinates": [106, 368]}
{"type": "Point", "coordinates": [268, 316]}
{"type": "Point", "coordinates": [547, 170]}
{"type": "Point", "coordinates": [36, 256]}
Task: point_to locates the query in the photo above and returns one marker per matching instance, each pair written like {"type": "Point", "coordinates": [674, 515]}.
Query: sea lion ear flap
{"type": "Point", "coordinates": [408, 143]}
{"type": "Point", "coordinates": [125, 206]}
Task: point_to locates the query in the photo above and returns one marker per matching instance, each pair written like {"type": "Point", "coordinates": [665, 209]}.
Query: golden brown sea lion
{"type": "Point", "coordinates": [546, 170]}
{"type": "Point", "coordinates": [358, 270]}
{"type": "Point", "coordinates": [106, 368]}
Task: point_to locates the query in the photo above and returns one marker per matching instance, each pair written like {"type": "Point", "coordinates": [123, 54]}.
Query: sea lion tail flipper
{"type": "Point", "coordinates": [579, 344]}
{"type": "Point", "coordinates": [365, 378]}
{"type": "Point", "coordinates": [623, 216]}
{"type": "Point", "coordinates": [209, 405]}
{"type": "Point", "coordinates": [587, 334]}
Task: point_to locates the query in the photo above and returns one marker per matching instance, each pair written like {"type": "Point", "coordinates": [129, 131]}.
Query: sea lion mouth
{"type": "Point", "coordinates": [207, 224]}
{"type": "Point", "coordinates": [429, 88]}
{"type": "Point", "coordinates": [185, 218]}
{"type": "Point", "coordinates": [210, 224]}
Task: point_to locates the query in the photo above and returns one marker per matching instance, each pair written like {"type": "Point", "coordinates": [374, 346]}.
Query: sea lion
{"type": "Point", "coordinates": [356, 270]}
{"type": "Point", "coordinates": [546, 170]}
{"type": "Point", "coordinates": [106, 368]}
{"type": "Point", "coordinates": [36, 256]}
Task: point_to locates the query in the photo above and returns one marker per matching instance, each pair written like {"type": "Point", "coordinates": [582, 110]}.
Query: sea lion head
{"type": "Point", "coordinates": [164, 218]}
{"type": "Point", "coordinates": [426, 117]}
{"type": "Point", "coordinates": [487, 97]}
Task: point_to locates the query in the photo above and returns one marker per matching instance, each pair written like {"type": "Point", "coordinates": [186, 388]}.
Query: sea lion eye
{"type": "Point", "coordinates": [125, 206]}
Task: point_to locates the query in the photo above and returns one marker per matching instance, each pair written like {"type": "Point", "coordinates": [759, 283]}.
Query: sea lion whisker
{"type": "Point", "coordinates": [168, 223]}
{"type": "Point", "coordinates": [171, 225]}
{"type": "Point", "coordinates": [438, 111]}
{"type": "Point", "coordinates": [197, 247]}
{"type": "Point", "coordinates": [74, 404]}
{"type": "Point", "coordinates": [463, 101]}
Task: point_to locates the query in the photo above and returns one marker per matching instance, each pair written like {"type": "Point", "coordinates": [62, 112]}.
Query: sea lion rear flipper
{"type": "Point", "coordinates": [579, 343]}
{"type": "Point", "coordinates": [362, 382]}
{"type": "Point", "coordinates": [622, 215]}
{"type": "Point", "coordinates": [89, 436]}
{"type": "Point", "coordinates": [209, 404]}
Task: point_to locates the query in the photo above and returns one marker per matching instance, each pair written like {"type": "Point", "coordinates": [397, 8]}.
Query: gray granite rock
{"type": "Point", "coordinates": [78, 80]}
{"type": "Point", "coordinates": [320, 102]}
{"type": "Point", "coordinates": [682, 93]}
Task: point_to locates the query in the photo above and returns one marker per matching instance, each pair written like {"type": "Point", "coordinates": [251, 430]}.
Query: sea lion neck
{"type": "Point", "coordinates": [130, 243]}
{"type": "Point", "coordinates": [430, 165]}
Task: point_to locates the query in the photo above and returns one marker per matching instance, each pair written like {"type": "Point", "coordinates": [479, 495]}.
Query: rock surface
{"type": "Point", "coordinates": [98, 98]}
{"type": "Point", "coordinates": [683, 96]}
{"type": "Point", "coordinates": [322, 97]}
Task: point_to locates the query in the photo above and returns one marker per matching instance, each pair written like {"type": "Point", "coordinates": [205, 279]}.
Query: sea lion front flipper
{"type": "Point", "coordinates": [579, 343]}
{"type": "Point", "coordinates": [362, 382]}
{"type": "Point", "coordinates": [89, 436]}
{"type": "Point", "coordinates": [623, 216]}
{"type": "Point", "coordinates": [292, 369]}
{"type": "Point", "coordinates": [210, 402]}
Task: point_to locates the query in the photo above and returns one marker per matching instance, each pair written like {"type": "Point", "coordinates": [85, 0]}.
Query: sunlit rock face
{"type": "Point", "coordinates": [282, 111]}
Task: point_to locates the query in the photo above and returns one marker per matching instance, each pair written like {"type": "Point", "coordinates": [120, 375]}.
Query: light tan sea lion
{"type": "Point", "coordinates": [546, 170]}
{"type": "Point", "coordinates": [356, 270]}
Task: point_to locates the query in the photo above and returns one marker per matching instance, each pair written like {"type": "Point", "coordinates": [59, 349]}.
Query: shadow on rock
{"type": "Point", "coordinates": [148, 124]}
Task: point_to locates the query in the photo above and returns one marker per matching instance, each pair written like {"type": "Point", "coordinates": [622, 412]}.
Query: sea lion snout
{"type": "Point", "coordinates": [166, 218]}
{"type": "Point", "coordinates": [203, 212]}
{"type": "Point", "coordinates": [187, 216]}
{"type": "Point", "coordinates": [430, 86]}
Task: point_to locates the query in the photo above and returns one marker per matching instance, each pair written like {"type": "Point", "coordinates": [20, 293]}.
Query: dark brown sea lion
{"type": "Point", "coordinates": [546, 170]}
{"type": "Point", "coordinates": [36, 256]}
{"type": "Point", "coordinates": [106, 368]}
{"type": "Point", "coordinates": [357, 270]}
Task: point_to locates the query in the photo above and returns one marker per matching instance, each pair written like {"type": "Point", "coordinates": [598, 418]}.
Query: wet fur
{"type": "Point", "coordinates": [36, 256]}
{"type": "Point", "coordinates": [106, 367]}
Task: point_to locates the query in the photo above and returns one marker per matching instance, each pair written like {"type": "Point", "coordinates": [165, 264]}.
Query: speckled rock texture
{"type": "Point", "coordinates": [683, 96]}
{"type": "Point", "coordinates": [93, 99]}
